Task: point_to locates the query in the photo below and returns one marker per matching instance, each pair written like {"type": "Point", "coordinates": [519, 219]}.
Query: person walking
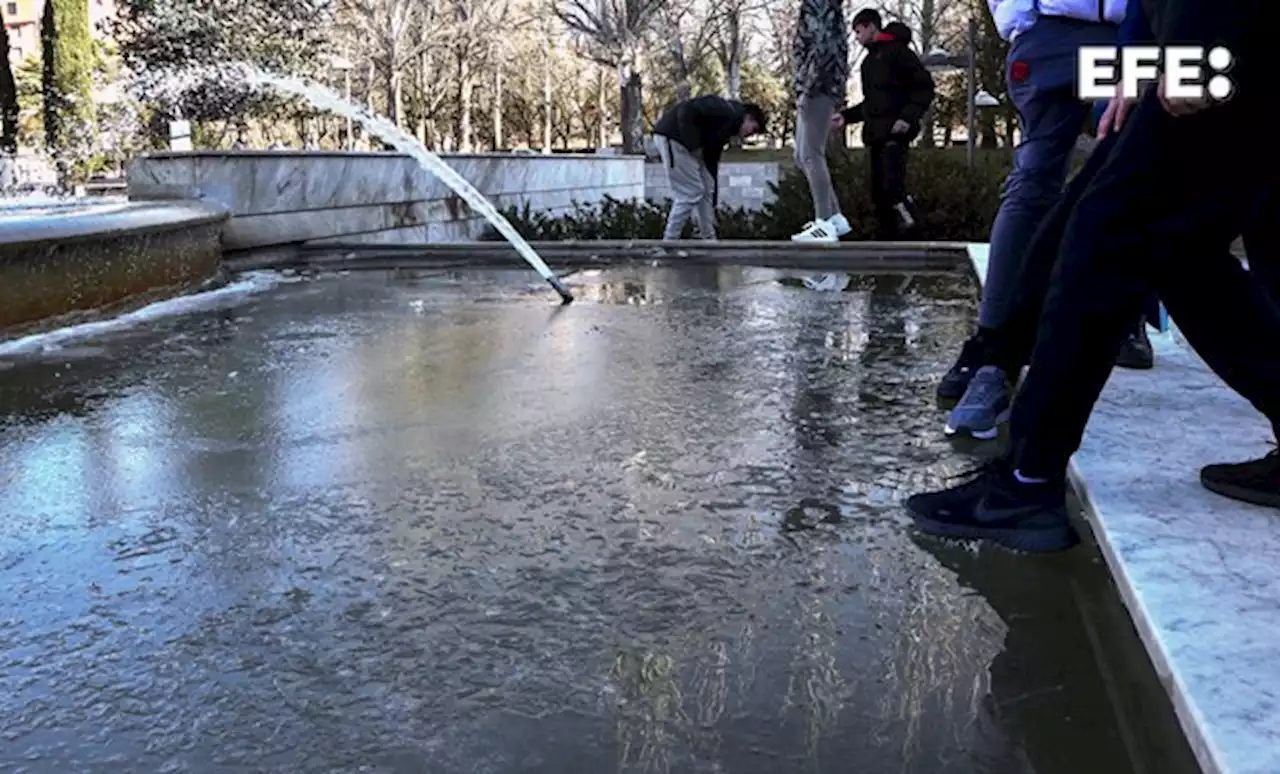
{"type": "Point", "coordinates": [690, 137]}
{"type": "Point", "coordinates": [897, 91]}
{"type": "Point", "coordinates": [1152, 216]}
{"type": "Point", "coordinates": [821, 53]}
{"type": "Point", "coordinates": [1041, 70]}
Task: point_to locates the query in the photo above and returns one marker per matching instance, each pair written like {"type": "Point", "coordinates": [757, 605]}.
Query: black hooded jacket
{"type": "Point", "coordinates": [895, 86]}
{"type": "Point", "coordinates": [706, 124]}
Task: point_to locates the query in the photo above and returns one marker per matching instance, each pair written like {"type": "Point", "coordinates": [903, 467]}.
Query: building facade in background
{"type": "Point", "coordinates": [22, 18]}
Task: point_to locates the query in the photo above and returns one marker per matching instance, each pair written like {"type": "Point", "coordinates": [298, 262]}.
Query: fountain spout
{"type": "Point", "coordinates": [384, 129]}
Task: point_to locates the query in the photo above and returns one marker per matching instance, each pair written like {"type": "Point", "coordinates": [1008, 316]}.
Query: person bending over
{"type": "Point", "coordinates": [690, 137]}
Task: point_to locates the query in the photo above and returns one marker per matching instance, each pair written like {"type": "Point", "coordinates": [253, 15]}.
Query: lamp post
{"type": "Point", "coordinates": [938, 60]}
{"type": "Point", "coordinates": [344, 65]}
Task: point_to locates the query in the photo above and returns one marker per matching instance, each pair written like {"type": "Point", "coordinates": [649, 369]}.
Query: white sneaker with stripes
{"type": "Point", "coordinates": [817, 231]}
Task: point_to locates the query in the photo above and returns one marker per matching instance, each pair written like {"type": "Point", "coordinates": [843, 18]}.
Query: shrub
{"type": "Point", "coordinates": [619, 219]}
{"type": "Point", "coordinates": [956, 203]}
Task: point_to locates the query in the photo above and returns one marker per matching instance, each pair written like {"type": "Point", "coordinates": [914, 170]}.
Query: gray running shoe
{"type": "Point", "coordinates": [984, 407]}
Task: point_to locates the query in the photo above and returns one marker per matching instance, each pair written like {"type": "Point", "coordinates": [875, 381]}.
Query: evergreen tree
{"type": "Point", "coordinates": [68, 84]}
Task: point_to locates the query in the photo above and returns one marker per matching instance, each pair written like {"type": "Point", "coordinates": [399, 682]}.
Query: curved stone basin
{"type": "Point", "coordinates": [61, 258]}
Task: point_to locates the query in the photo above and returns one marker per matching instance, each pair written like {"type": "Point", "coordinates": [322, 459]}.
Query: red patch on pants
{"type": "Point", "coordinates": [1018, 71]}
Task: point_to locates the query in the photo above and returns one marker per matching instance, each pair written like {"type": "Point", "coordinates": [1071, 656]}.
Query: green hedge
{"type": "Point", "coordinates": [956, 204]}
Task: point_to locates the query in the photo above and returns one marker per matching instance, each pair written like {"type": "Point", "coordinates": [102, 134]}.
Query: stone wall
{"type": "Point", "coordinates": [62, 260]}
{"type": "Point", "coordinates": [288, 197]}
{"type": "Point", "coordinates": [742, 184]}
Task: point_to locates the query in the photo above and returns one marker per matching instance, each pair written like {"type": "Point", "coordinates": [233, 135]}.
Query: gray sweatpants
{"type": "Point", "coordinates": [813, 126]}
{"type": "Point", "coordinates": [692, 189]}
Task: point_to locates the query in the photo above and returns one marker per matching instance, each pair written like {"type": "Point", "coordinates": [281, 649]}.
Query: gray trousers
{"type": "Point", "coordinates": [692, 189]}
{"type": "Point", "coordinates": [813, 127]}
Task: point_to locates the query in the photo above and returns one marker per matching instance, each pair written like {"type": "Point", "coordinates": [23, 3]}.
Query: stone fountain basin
{"type": "Point", "coordinates": [59, 259]}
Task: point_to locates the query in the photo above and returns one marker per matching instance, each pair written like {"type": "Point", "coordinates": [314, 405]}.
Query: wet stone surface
{"type": "Point", "coordinates": [387, 524]}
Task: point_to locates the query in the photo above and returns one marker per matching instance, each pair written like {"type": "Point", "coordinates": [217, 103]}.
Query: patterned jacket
{"type": "Point", "coordinates": [821, 50]}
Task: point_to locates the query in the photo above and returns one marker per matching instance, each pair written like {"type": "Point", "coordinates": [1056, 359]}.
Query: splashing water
{"type": "Point", "coordinates": [388, 132]}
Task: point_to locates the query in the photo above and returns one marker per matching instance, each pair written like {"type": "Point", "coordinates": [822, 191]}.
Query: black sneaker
{"type": "Point", "coordinates": [956, 381]}
{"type": "Point", "coordinates": [962, 497]}
{"type": "Point", "coordinates": [1136, 352]}
{"type": "Point", "coordinates": [995, 506]}
{"type": "Point", "coordinates": [1256, 482]}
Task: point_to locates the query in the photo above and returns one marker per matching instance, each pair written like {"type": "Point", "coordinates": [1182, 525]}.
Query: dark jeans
{"type": "Point", "coordinates": [1051, 114]}
{"type": "Point", "coordinates": [888, 184]}
{"type": "Point", "coordinates": [1009, 347]}
{"type": "Point", "coordinates": [1152, 216]}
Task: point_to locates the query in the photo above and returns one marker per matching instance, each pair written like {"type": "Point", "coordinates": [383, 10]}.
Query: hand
{"type": "Point", "coordinates": [900, 127]}
{"type": "Point", "coordinates": [1176, 106]}
{"type": "Point", "coordinates": [837, 122]}
{"type": "Point", "coordinates": [1114, 116]}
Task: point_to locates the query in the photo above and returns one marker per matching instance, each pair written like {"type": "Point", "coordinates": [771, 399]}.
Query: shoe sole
{"type": "Point", "coordinates": [1040, 541]}
{"type": "Point", "coordinates": [1251, 496]}
{"type": "Point", "coordinates": [1145, 365]}
{"type": "Point", "coordinates": [979, 433]}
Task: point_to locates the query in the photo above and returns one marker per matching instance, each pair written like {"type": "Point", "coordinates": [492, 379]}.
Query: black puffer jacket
{"type": "Point", "coordinates": [895, 86]}
{"type": "Point", "coordinates": [705, 124]}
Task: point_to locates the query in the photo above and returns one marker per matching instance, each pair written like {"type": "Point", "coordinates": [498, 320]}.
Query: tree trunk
{"type": "Point", "coordinates": [928, 28]}
{"type": "Point", "coordinates": [632, 97]}
{"type": "Point", "coordinates": [466, 88]}
{"type": "Point", "coordinates": [67, 47]}
{"type": "Point", "coordinates": [684, 89]}
{"type": "Point", "coordinates": [733, 55]}
{"type": "Point", "coordinates": [397, 97]}
{"type": "Point", "coordinates": [497, 108]}
{"type": "Point", "coordinates": [8, 98]}
{"type": "Point", "coordinates": [602, 111]}
{"type": "Point", "coordinates": [423, 66]}
{"type": "Point", "coordinates": [547, 102]}
{"type": "Point", "coordinates": [987, 137]}
{"type": "Point", "coordinates": [395, 91]}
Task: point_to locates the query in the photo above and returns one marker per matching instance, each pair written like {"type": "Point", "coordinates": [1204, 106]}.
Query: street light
{"type": "Point", "coordinates": [344, 66]}
{"type": "Point", "coordinates": [938, 60]}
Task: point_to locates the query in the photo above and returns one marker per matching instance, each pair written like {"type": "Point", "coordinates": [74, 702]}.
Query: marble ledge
{"type": "Point", "coordinates": [1198, 572]}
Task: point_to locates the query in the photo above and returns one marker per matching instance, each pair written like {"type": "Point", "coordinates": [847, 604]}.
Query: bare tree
{"type": "Point", "coordinates": [730, 38]}
{"type": "Point", "coordinates": [780, 23]}
{"type": "Point", "coordinates": [686, 28]}
{"type": "Point", "coordinates": [612, 33]}
{"type": "Point", "coordinates": [431, 93]}
{"type": "Point", "coordinates": [473, 25]}
{"type": "Point", "coordinates": [390, 33]}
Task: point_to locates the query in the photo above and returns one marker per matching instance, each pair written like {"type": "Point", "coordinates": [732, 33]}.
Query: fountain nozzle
{"type": "Point", "coordinates": [565, 296]}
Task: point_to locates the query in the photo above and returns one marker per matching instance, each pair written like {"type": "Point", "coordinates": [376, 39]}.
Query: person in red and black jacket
{"type": "Point", "coordinates": [897, 90]}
